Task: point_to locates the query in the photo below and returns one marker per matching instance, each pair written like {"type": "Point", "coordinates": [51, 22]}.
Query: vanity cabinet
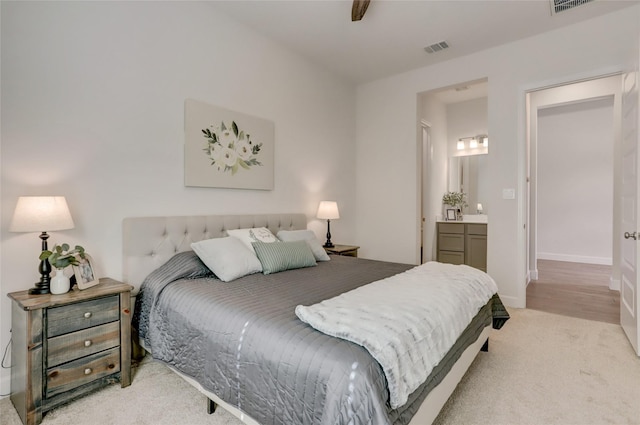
{"type": "Point", "coordinates": [463, 243]}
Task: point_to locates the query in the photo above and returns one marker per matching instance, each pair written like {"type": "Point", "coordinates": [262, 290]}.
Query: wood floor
{"type": "Point", "coordinates": [574, 289]}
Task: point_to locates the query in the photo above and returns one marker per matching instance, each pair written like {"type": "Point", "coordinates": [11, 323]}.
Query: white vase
{"type": "Point", "coordinates": [59, 283]}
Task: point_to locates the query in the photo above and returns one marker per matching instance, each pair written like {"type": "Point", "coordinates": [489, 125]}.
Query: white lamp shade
{"type": "Point", "coordinates": [41, 214]}
{"type": "Point", "coordinates": [328, 210]}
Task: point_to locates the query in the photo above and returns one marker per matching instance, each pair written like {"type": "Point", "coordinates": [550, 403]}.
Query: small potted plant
{"type": "Point", "coordinates": [456, 200]}
{"type": "Point", "coordinates": [62, 257]}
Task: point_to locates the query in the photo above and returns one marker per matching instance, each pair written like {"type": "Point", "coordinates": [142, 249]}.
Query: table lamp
{"type": "Point", "coordinates": [41, 214]}
{"type": "Point", "coordinates": [328, 210]}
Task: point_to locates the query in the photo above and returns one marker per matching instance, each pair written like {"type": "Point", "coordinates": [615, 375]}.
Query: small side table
{"type": "Point", "coordinates": [346, 250]}
{"type": "Point", "coordinates": [67, 345]}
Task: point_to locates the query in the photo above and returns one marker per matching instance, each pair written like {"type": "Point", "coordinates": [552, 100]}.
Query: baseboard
{"type": "Point", "coordinates": [614, 284]}
{"type": "Point", "coordinates": [533, 275]}
{"type": "Point", "coordinates": [605, 261]}
{"type": "Point", "coordinates": [510, 301]}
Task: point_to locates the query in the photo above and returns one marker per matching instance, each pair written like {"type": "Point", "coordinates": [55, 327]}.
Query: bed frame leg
{"type": "Point", "coordinates": [211, 406]}
{"type": "Point", "coordinates": [485, 346]}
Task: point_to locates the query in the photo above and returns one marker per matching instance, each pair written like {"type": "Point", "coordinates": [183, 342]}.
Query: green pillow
{"type": "Point", "coordinates": [279, 256]}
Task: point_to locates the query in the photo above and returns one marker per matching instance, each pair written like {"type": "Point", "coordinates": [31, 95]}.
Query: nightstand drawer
{"type": "Point", "coordinates": [79, 372]}
{"type": "Point", "coordinates": [73, 317]}
{"type": "Point", "coordinates": [64, 348]}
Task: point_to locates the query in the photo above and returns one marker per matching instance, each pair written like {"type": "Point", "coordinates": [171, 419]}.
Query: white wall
{"type": "Point", "coordinates": [575, 182]}
{"type": "Point", "coordinates": [465, 119]}
{"type": "Point", "coordinates": [588, 49]}
{"type": "Point", "coordinates": [92, 109]}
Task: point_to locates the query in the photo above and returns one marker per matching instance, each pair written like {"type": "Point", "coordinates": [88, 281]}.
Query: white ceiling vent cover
{"type": "Point", "coordinates": [558, 6]}
{"type": "Point", "coordinates": [436, 47]}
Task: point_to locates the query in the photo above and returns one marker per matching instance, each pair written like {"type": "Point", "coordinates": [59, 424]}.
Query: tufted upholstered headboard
{"type": "Point", "coordinates": [148, 242]}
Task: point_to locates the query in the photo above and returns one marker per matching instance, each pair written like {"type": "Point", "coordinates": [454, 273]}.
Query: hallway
{"type": "Point", "coordinates": [574, 289]}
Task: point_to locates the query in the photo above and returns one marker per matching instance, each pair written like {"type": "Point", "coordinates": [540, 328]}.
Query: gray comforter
{"type": "Point", "coordinates": [242, 341]}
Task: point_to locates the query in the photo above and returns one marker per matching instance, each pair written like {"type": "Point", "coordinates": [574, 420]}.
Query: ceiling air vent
{"type": "Point", "coordinates": [558, 6]}
{"type": "Point", "coordinates": [436, 47]}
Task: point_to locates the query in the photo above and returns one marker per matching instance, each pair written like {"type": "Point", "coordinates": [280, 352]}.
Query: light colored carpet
{"type": "Point", "coordinates": [546, 369]}
{"type": "Point", "coordinates": [541, 369]}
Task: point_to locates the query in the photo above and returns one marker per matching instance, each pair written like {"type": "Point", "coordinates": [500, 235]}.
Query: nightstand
{"type": "Point", "coordinates": [346, 250]}
{"type": "Point", "coordinates": [67, 345]}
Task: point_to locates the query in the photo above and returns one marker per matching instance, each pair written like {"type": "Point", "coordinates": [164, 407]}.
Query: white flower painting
{"type": "Point", "coordinates": [227, 149]}
{"type": "Point", "coordinates": [230, 148]}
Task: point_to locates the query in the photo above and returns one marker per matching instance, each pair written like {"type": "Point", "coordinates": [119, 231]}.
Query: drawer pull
{"type": "Point", "coordinates": [87, 315]}
{"type": "Point", "coordinates": [88, 371]}
{"type": "Point", "coordinates": [87, 343]}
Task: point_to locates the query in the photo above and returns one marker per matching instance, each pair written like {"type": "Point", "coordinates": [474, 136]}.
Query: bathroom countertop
{"type": "Point", "coordinates": [467, 218]}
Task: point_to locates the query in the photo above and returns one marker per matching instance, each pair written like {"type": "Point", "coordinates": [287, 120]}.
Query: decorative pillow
{"type": "Point", "coordinates": [256, 234]}
{"type": "Point", "coordinates": [227, 257]}
{"type": "Point", "coordinates": [280, 256]}
{"type": "Point", "coordinates": [305, 235]}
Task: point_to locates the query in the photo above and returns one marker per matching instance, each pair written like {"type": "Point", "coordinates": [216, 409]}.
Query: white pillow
{"type": "Point", "coordinates": [309, 237]}
{"type": "Point", "coordinates": [227, 257]}
{"type": "Point", "coordinates": [256, 234]}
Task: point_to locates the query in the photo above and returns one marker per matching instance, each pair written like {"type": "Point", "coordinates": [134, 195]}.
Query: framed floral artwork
{"type": "Point", "coordinates": [227, 149]}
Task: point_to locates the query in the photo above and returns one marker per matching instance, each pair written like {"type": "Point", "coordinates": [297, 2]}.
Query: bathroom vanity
{"type": "Point", "coordinates": [463, 242]}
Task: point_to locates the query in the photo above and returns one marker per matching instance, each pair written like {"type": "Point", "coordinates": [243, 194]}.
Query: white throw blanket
{"type": "Point", "coordinates": [407, 322]}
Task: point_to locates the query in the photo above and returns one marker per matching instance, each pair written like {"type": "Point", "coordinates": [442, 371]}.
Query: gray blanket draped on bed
{"type": "Point", "coordinates": [242, 341]}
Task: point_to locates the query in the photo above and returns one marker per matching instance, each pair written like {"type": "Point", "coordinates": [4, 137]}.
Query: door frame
{"type": "Point", "coordinates": [426, 157]}
{"type": "Point", "coordinates": [561, 94]}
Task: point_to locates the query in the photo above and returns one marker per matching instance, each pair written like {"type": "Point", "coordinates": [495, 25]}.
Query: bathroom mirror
{"type": "Point", "coordinates": [468, 174]}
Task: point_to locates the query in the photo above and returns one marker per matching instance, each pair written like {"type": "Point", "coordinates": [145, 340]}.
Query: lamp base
{"type": "Point", "coordinates": [328, 243]}
{"type": "Point", "coordinates": [39, 290]}
{"type": "Point", "coordinates": [42, 286]}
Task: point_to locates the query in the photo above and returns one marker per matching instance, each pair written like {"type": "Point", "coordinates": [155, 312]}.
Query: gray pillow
{"type": "Point", "coordinates": [279, 256]}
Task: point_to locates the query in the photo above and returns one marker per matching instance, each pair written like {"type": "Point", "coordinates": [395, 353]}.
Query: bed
{"type": "Point", "coordinates": [242, 345]}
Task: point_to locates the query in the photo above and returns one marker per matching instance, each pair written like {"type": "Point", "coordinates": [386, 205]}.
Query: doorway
{"type": "Point", "coordinates": [573, 150]}
{"type": "Point", "coordinates": [440, 127]}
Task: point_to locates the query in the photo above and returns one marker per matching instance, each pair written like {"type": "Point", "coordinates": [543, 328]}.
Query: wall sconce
{"type": "Point", "coordinates": [41, 214]}
{"type": "Point", "coordinates": [474, 142]}
{"type": "Point", "coordinates": [328, 210]}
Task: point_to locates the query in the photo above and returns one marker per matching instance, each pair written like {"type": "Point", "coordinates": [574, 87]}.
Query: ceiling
{"type": "Point", "coordinates": [391, 37]}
